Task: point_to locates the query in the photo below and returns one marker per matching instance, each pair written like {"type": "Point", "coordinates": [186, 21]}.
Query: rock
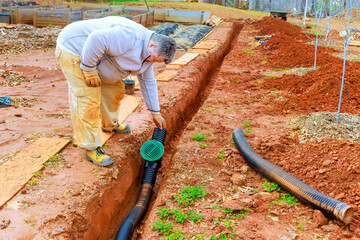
{"type": "Point", "coordinates": [326, 163]}
{"type": "Point", "coordinates": [36, 156]}
{"type": "Point", "coordinates": [234, 204]}
{"type": "Point", "coordinates": [322, 170]}
{"type": "Point", "coordinates": [244, 168]}
{"type": "Point", "coordinates": [319, 218]}
{"type": "Point", "coordinates": [327, 228]}
{"type": "Point", "coordinates": [340, 196]}
{"type": "Point", "coordinates": [347, 234]}
{"type": "Point", "coordinates": [238, 179]}
{"type": "Point", "coordinates": [18, 115]}
{"type": "Point", "coordinates": [4, 223]}
{"type": "Point", "coordinates": [227, 172]}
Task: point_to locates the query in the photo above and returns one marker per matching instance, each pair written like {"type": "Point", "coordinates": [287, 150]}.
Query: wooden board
{"type": "Point", "coordinates": [17, 171]}
{"type": "Point", "coordinates": [166, 75]}
{"type": "Point", "coordinates": [183, 60]}
{"type": "Point", "coordinates": [354, 43]}
{"type": "Point", "coordinates": [199, 51]}
{"type": "Point", "coordinates": [128, 105]}
{"type": "Point", "coordinates": [206, 44]}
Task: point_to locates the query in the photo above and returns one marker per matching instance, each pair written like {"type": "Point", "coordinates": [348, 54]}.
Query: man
{"type": "Point", "coordinates": [95, 56]}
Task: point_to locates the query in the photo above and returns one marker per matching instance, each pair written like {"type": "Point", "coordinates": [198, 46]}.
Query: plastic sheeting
{"type": "Point", "coordinates": [190, 36]}
{"type": "Point", "coordinates": [5, 101]}
{"type": "Point", "coordinates": [166, 28]}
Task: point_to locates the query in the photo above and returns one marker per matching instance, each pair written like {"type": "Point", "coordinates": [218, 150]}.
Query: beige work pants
{"type": "Point", "coordinates": [91, 107]}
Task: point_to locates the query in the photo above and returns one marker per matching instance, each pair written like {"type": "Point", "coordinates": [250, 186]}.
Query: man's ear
{"type": "Point", "coordinates": [152, 44]}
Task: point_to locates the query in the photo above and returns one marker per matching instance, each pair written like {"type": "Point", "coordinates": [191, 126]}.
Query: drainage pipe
{"type": "Point", "coordinates": [147, 183]}
{"type": "Point", "coordinates": [329, 206]}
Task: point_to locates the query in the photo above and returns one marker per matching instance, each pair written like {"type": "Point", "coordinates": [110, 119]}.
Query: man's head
{"type": "Point", "coordinates": [161, 48]}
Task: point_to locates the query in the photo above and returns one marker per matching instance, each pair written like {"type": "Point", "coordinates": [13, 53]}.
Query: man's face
{"type": "Point", "coordinates": [154, 56]}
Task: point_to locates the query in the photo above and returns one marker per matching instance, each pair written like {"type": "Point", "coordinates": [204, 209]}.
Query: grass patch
{"type": "Point", "coordinates": [246, 126]}
{"type": "Point", "coordinates": [269, 76]}
{"type": "Point", "coordinates": [187, 196]}
{"type": "Point", "coordinates": [270, 187]}
{"type": "Point", "coordinates": [199, 137]}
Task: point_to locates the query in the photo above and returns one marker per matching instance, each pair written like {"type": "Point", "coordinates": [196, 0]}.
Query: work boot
{"type": "Point", "coordinates": [122, 128]}
{"type": "Point", "coordinates": [98, 157]}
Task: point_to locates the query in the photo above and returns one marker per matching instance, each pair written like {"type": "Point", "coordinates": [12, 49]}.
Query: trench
{"type": "Point", "coordinates": [117, 200]}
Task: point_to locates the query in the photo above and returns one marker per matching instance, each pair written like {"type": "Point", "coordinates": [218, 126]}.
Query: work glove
{"type": "Point", "coordinates": [92, 78]}
{"type": "Point", "coordinates": [158, 119]}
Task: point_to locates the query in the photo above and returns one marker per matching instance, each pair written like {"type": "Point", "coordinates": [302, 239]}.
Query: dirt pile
{"type": "Point", "coordinates": [320, 90]}
{"type": "Point", "coordinates": [271, 25]}
{"type": "Point", "coordinates": [283, 52]}
{"type": "Point", "coordinates": [24, 37]}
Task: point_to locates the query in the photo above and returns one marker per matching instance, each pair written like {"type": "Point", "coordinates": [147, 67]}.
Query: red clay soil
{"type": "Point", "coordinates": [241, 97]}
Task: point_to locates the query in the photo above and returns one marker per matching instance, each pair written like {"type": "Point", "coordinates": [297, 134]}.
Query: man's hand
{"type": "Point", "coordinates": [92, 78]}
{"type": "Point", "coordinates": [158, 119]}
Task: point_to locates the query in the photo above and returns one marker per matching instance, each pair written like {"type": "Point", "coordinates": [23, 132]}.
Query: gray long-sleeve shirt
{"type": "Point", "coordinates": [116, 47]}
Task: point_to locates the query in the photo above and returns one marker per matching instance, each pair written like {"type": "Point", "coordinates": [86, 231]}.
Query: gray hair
{"type": "Point", "coordinates": [165, 46]}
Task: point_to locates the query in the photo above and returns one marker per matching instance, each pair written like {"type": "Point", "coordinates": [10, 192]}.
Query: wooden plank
{"type": "Point", "coordinates": [174, 66]}
{"type": "Point", "coordinates": [185, 59]}
{"type": "Point", "coordinates": [206, 44]}
{"type": "Point", "coordinates": [199, 51]}
{"type": "Point", "coordinates": [354, 43]}
{"type": "Point", "coordinates": [166, 75]}
{"type": "Point", "coordinates": [17, 171]}
{"type": "Point", "coordinates": [128, 105]}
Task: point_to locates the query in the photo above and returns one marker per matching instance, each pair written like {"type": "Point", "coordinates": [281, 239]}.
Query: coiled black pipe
{"type": "Point", "coordinates": [329, 206]}
{"type": "Point", "coordinates": [147, 183]}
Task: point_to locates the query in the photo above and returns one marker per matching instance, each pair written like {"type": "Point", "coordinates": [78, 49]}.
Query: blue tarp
{"type": "Point", "coordinates": [5, 101]}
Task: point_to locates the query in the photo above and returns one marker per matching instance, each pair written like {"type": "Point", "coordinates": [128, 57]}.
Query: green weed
{"type": "Point", "coordinates": [179, 216]}
{"type": "Point", "coordinates": [246, 125]}
{"type": "Point", "coordinates": [236, 214]}
{"type": "Point", "coordinates": [195, 217]}
{"type": "Point", "coordinates": [165, 227]}
{"type": "Point", "coordinates": [187, 196]}
{"type": "Point", "coordinates": [220, 155]}
{"type": "Point", "coordinates": [288, 198]}
{"type": "Point", "coordinates": [227, 111]}
{"type": "Point", "coordinates": [270, 76]}
{"type": "Point", "coordinates": [199, 137]}
{"type": "Point", "coordinates": [248, 51]}
{"type": "Point", "coordinates": [53, 161]}
{"type": "Point", "coordinates": [204, 145]}
{"type": "Point", "coordinates": [270, 187]}
{"type": "Point", "coordinates": [264, 62]}
{"type": "Point", "coordinates": [277, 69]}
{"type": "Point", "coordinates": [163, 212]}
{"type": "Point", "coordinates": [31, 221]}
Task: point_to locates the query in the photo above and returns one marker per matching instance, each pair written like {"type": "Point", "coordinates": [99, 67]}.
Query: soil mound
{"type": "Point", "coordinates": [271, 25]}
{"type": "Point", "coordinates": [283, 52]}
{"type": "Point", "coordinates": [320, 90]}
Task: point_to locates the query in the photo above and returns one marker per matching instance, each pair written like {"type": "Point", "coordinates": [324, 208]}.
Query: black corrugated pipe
{"type": "Point", "coordinates": [147, 183]}
{"type": "Point", "coordinates": [329, 206]}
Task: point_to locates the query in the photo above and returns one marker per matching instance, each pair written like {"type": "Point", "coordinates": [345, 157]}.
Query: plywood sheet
{"type": "Point", "coordinates": [128, 105]}
{"type": "Point", "coordinates": [17, 171]}
{"type": "Point", "coordinates": [166, 75]}
{"type": "Point", "coordinates": [206, 44]}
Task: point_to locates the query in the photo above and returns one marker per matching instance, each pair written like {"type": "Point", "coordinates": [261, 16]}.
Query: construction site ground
{"type": "Point", "coordinates": [286, 109]}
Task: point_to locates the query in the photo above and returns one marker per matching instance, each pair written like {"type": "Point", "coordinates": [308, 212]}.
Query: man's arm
{"type": "Point", "coordinates": [149, 91]}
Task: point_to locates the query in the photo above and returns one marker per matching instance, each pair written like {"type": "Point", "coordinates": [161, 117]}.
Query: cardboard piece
{"type": "Point", "coordinates": [128, 105]}
{"type": "Point", "coordinates": [18, 170]}
{"type": "Point", "coordinates": [166, 75]}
